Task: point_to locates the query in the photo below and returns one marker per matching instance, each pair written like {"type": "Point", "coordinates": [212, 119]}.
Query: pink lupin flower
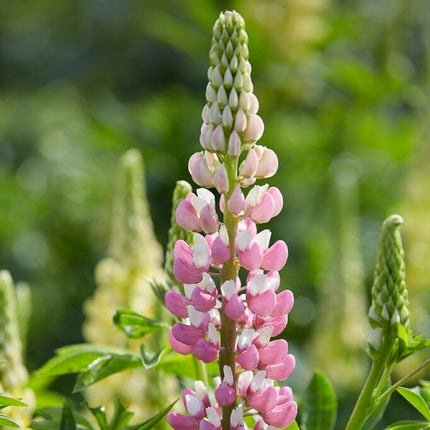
{"type": "Point", "coordinates": [233, 305]}
{"type": "Point", "coordinates": [267, 162]}
{"type": "Point", "coordinates": [225, 393]}
{"type": "Point", "coordinates": [248, 356]}
{"type": "Point", "coordinates": [263, 203]}
{"type": "Point", "coordinates": [254, 129]}
{"type": "Point", "coordinates": [212, 422]}
{"type": "Point", "coordinates": [190, 263]}
{"type": "Point", "coordinates": [207, 350]}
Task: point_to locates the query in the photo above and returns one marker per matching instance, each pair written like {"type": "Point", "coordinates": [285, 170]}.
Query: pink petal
{"type": "Point", "coordinates": [185, 272]}
{"type": "Point", "coordinates": [277, 198]}
{"type": "Point", "coordinates": [254, 129]}
{"type": "Point", "coordinates": [202, 300]}
{"type": "Point", "coordinates": [250, 164]}
{"type": "Point", "coordinates": [234, 308]}
{"type": "Point", "coordinates": [275, 257]}
{"type": "Point", "coordinates": [273, 351]}
{"type": "Point", "coordinates": [267, 164]}
{"type": "Point", "coordinates": [252, 258]}
{"type": "Point", "coordinates": [186, 216]}
{"type": "Point", "coordinates": [278, 324]}
{"type": "Point", "coordinates": [248, 358]}
{"type": "Point", "coordinates": [225, 394]}
{"type": "Point", "coordinates": [176, 304]}
{"type": "Point", "coordinates": [205, 351]}
{"type": "Point", "coordinates": [186, 334]}
{"type": "Point", "coordinates": [179, 347]}
{"type": "Point", "coordinates": [281, 370]}
{"type": "Point", "coordinates": [281, 415]}
{"type": "Point", "coordinates": [183, 250]}
{"type": "Point", "coordinates": [182, 422]}
{"type": "Point", "coordinates": [237, 201]}
{"type": "Point", "coordinates": [264, 210]}
{"type": "Point", "coordinates": [220, 252]}
{"type": "Point", "coordinates": [262, 304]}
{"type": "Point", "coordinates": [221, 179]}
{"type": "Point", "coordinates": [208, 220]}
{"type": "Point", "coordinates": [264, 400]}
{"type": "Point", "coordinates": [284, 303]}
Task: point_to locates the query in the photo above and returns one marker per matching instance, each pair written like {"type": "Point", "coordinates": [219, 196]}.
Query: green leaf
{"type": "Point", "coordinates": [6, 421]}
{"type": "Point", "coordinates": [105, 366]}
{"type": "Point", "coordinates": [121, 417]}
{"type": "Point", "coordinates": [99, 414]}
{"type": "Point", "coordinates": [150, 359]}
{"type": "Point", "coordinates": [320, 405]}
{"type": "Point", "coordinates": [150, 423]}
{"type": "Point", "coordinates": [67, 419]}
{"type": "Point", "coordinates": [135, 325]}
{"type": "Point", "coordinates": [416, 401]}
{"type": "Point", "coordinates": [75, 358]}
{"type": "Point", "coordinates": [409, 425]}
{"type": "Point", "coordinates": [10, 401]}
{"type": "Point", "coordinates": [52, 417]}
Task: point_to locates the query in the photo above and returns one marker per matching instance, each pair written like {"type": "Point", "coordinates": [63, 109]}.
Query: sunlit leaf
{"type": "Point", "coordinates": [135, 325]}
{"type": "Point", "coordinates": [75, 358]}
{"type": "Point", "coordinates": [320, 405]}
{"type": "Point", "coordinates": [10, 401]}
{"type": "Point", "coordinates": [150, 423]}
{"type": "Point", "coordinates": [105, 366]}
{"type": "Point", "coordinates": [416, 401]}
{"type": "Point", "coordinates": [6, 421]}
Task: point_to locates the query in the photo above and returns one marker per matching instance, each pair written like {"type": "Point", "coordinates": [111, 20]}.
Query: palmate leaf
{"type": "Point", "coordinates": [104, 366]}
{"type": "Point", "coordinates": [135, 325]}
{"type": "Point", "coordinates": [416, 401]}
{"type": "Point", "coordinates": [151, 422]}
{"type": "Point", "coordinates": [320, 405]}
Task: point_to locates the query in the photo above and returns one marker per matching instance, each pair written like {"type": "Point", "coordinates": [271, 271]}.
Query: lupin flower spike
{"type": "Point", "coordinates": [221, 318]}
{"type": "Point", "coordinates": [389, 308]}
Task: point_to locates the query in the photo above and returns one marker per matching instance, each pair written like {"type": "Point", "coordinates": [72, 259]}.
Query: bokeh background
{"type": "Point", "coordinates": [344, 94]}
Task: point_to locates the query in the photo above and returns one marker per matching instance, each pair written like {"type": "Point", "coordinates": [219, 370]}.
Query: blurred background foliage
{"type": "Point", "coordinates": [343, 89]}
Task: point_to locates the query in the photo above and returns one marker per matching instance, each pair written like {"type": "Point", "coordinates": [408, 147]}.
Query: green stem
{"type": "Point", "coordinates": [230, 271]}
{"type": "Point", "coordinates": [401, 381]}
{"type": "Point", "coordinates": [368, 400]}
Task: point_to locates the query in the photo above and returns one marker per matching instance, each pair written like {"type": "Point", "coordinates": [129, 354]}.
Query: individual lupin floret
{"type": "Point", "coordinates": [389, 294]}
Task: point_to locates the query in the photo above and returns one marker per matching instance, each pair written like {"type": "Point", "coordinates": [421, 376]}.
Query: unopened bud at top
{"type": "Point", "coordinates": [231, 105]}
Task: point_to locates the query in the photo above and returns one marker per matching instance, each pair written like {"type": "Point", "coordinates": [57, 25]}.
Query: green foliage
{"type": "Point", "coordinates": [6, 401]}
{"type": "Point", "coordinates": [135, 325]}
{"type": "Point", "coordinates": [66, 418]}
{"type": "Point", "coordinates": [320, 404]}
{"type": "Point", "coordinates": [415, 398]}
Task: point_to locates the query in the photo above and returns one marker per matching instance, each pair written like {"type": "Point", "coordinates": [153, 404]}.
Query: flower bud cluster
{"type": "Point", "coordinates": [224, 316]}
{"type": "Point", "coordinates": [389, 305]}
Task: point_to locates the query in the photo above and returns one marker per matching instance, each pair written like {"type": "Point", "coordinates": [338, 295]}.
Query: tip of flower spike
{"type": "Point", "coordinates": [393, 221]}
